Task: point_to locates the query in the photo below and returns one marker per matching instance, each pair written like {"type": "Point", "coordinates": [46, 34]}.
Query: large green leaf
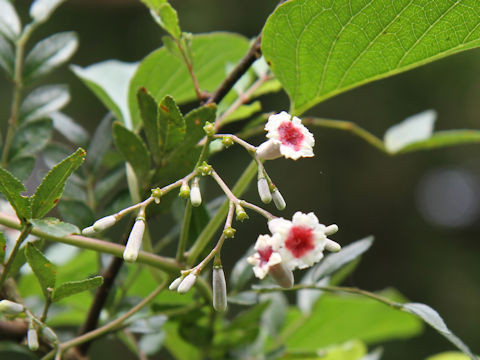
{"type": "Point", "coordinates": [50, 190]}
{"type": "Point", "coordinates": [43, 269]}
{"type": "Point", "coordinates": [319, 48]}
{"type": "Point", "coordinates": [163, 73]}
{"type": "Point", "coordinates": [11, 188]}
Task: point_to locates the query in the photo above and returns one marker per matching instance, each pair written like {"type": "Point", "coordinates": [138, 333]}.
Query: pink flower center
{"type": "Point", "coordinates": [265, 254]}
{"type": "Point", "coordinates": [290, 135]}
{"type": "Point", "coordinates": [300, 241]}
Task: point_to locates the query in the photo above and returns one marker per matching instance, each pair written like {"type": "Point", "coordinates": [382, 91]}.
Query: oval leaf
{"type": "Point", "coordinates": [318, 49]}
{"type": "Point", "coordinates": [43, 269]}
{"type": "Point", "coordinates": [74, 132]}
{"type": "Point", "coordinates": [41, 10]}
{"type": "Point", "coordinates": [9, 20]}
{"type": "Point", "coordinates": [49, 54]}
{"type": "Point", "coordinates": [43, 101]}
{"type": "Point", "coordinates": [50, 190]}
{"type": "Point", "coordinates": [7, 58]}
{"type": "Point", "coordinates": [74, 287]}
{"type": "Point", "coordinates": [11, 188]}
{"type": "Point", "coordinates": [30, 138]}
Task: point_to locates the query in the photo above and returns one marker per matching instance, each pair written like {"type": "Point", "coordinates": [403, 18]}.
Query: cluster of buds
{"type": "Point", "coordinates": [184, 283]}
{"type": "Point", "coordinates": [295, 244]}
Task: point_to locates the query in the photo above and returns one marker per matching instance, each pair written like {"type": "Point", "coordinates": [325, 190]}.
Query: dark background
{"type": "Point", "coordinates": [423, 208]}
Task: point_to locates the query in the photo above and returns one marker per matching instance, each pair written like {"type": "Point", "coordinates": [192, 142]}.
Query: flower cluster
{"type": "Point", "coordinates": [295, 244]}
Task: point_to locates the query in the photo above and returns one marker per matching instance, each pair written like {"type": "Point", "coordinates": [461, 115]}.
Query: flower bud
{"type": "Point", "coordinates": [240, 213]}
{"type": "Point", "coordinates": [205, 169]}
{"type": "Point", "coordinates": [209, 128]}
{"type": "Point", "coordinates": [264, 190]}
{"type": "Point", "coordinates": [219, 287]}
{"type": "Point", "coordinates": [157, 194]}
{"type": "Point", "coordinates": [332, 246]}
{"type": "Point", "coordinates": [134, 242]}
{"type": "Point", "coordinates": [187, 283]}
{"type": "Point", "coordinates": [184, 191]}
{"type": "Point", "coordinates": [10, 308]}
{"type": "Point", "coordinates": [331, 229]}
{"type": "Point", "coordinates": [104, 223]}
{"type": "Point", "coordinates": [229, 232]}
{"type": "Point", "coordinates": [268, 150]}
{"type": "Point", "coordinates": [227, 141]}
{"type": "Point", "coordinates": [282, 275]}
{"type": "Point", "coordinates": [32, 339]}
{"type": "Point", "coordinates": [195, 195]}
{"type": "Point", "coordinates": [175, 283]}
{"type": "Point", "coordinates": [278, 199]}
{"type": "Point", "coordinates": [88, 231]}
{"type": "Point", "coordinates": [49, 334]}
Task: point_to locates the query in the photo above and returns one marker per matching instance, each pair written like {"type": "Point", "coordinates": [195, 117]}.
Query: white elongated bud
{"type": "Point", "coordinates": [278, 199]}
{"type": "Point", "coordinates": [187, 283]}
{"type": "Point", "coordinates": [332, 246]}
{"type": "Point", "coordinates": [219, 287]}
{"type": "Point", "coordinates": [104, 223]}
{"type": "Point", "coordinates": [10, 307]}
{"type": "Point", "coordinates": [134, 242]}
{"type": "Point", "coordinates": [175, 283]}
{"type": "Point", "coordinates": [195, 195]}
{"type": "Point", "coordinates": [49, 334]}
{"type": "Point", "coordinates": [269, 150]}
{"type": "Point", "coordinates": [32, 339]}
{"type": "Point", "coordinates": [331, 229]}
{"type": "Point", "coordinates": [282, 275]}
{"type": "Point", "coordinates": [264, 190]}
{"type": "Point", "coordinates": [88, 231]}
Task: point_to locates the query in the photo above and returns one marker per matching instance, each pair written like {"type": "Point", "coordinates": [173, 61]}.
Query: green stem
{"type": "Point", "coordinates": [166, 264]}
{"type": "Point", "coordinates": [108, 327]}
{"type": "Point", "coordinates": [48, 302]}
{"type": "Point", "coordinates": [25, 231]}
{"type": "Point", "coordinates": [182, 242]}
{"type": "Point", "coordinates": [216, 221]}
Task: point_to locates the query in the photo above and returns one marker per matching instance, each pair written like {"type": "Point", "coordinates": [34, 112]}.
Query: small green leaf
{"type": "Point", "coordinates": [171, 124]}
{"type": "Point", "coordinates": [71, 130]}
{"type": "Point", "coordinates": [3, 246]}
{"type": "Point", "coordinates": [7, 57]}
{"type": "Point", "coordinates": [9, 21]}
{"type": "Point", "coordinates": [11, 188]}
{"type": "Point", "coordinates": [49, 54]}
{"type": "Point", "coordinates": [148, 111]}
{"type": "Point", "coordinates": [432, 318]}
{"type": "Point", "coordinates": [55, 227]}
{"type": "Point", "coordinates": [166, 16]}
{"type": "Point", "coordinates": [76, 212]}
{"type": "Point", "coordinates": [413, 129]}
{"type": "Point", "coordinates": [42, 101]}
{"type": "Point", "coordinates": [41, 10]}
{"type": "Point", "coordinates": [133, 150]}
{"type": "Point", "coordinates": [73, 287]}
{"type": "Point", "coordinates": [318, 49]}
{"type": "Point", "coordinates": [100, 143]}
{"type": "Point", "coordinates": [21, 167]}
{"type": "Point", "coordinates": [31, 137]}
{"type": "Point", "coordinates": [43, 269]}
{"type": "Point", "coordinates": [109, 81]}
{"type": "Point", "coordinates": [50, 190]}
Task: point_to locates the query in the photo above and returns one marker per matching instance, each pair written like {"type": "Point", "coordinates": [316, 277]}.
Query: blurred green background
{"type": "Point", "coordinates": [423, 208]}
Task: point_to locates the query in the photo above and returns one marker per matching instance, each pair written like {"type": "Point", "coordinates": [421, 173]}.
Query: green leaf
{"type": "Point", "coordinates": [3, 246]}
{"type": "Point", "coordinates": [41, 10]}
{"type": "Point", "coordinates": [450, 355]}
{"type": "Point", "coordinates": [101, 141]}
{"type": "Point", "coordinates": [413, 129]}
{"type": "Point", "coordinates": [109, 181]}
{"type": "Point", "coordinates": [166, 16]}
{"type": "Point", "coordinates": [73, 287]}
{"type": "Point", "coordinates": [318, 49]}
{"type": "Point", "coordinates": [9, 21]}
{"type": "Point", "coordinates": [444, 138]}
{"type": "Point", "coordinates": [7, 57]}
{"type": "Point", "coordinates": [211, 53]}
{"type": "Point", "coordinates": [43, 269]}
{"type": "Point", "coordinates": [31, 137]}
{"type": "Point", "coordinates": [109, 81]}
{"type": "Point", "coordinates": [153, 4]}
{"type": "Point", "coordinates": [50, 190]}
{"type": "Point", "coordinates": [22, 167]}
{"type": "Point", "coordinates": [42, 101]}
{"type": "Point", "coordinates": [171, 124]}
{"type": "Point", "coordinates": [76, 212]}
{"type": "Point", "coordinates": [148, 111]}
{"type": "Point", "coordinates": [11, 188]}
{"type": "Point", "coordinates": [432, 318]}
{"type": "Point", "coordinates": [336, 319]}
{"type": "Point", "coordinates": [49, 54]}
{"type": "Point", "coordinates": [71, 130]}
{"type": "Point", "coordinates": [133, 150]}
{"type": "Point", "coordinates": [55, 227]}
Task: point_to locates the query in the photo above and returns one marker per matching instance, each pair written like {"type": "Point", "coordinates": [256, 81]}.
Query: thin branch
{"type": "Point", "coordinates": [25, 232]}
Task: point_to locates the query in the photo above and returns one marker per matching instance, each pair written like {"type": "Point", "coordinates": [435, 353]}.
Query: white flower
{"type": "Point", "coordinates": [287, 137]}
{"type": "Point", "coordinates": [302, 239]}
{"type": "Point", "coordinates": [266, 256]}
